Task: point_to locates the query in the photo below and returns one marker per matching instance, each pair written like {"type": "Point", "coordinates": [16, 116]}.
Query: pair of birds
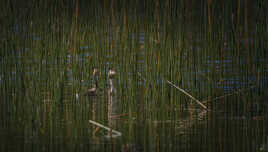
{"type": "Point", "coordinates": [93, 91]}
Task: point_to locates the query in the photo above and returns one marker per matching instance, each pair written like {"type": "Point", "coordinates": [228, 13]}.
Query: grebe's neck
{"type": "Point", "coordinates": [111, 84]}
{"type": "Point", "coordinates": [95, 77]}
{"type": "Point", "coordinates": [111, 75]}
{"type": "Point", "coordinates": [96, 81]}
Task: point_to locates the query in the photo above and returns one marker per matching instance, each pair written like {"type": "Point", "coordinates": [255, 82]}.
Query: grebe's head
{"type": "Point", "coordinates": [96, 72]}
{"type": "Point", "coordinates": [111, 74]}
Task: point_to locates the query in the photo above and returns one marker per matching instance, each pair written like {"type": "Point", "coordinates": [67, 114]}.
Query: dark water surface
{"type": "Point", "coordinates": [45, 72]}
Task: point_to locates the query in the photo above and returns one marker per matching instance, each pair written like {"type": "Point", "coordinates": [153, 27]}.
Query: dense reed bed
{"type": "Point", "coordinates": [216, 52]}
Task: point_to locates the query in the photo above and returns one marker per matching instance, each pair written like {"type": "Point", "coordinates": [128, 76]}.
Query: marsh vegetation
{"type": "Point", "coordinates": [190, 75]}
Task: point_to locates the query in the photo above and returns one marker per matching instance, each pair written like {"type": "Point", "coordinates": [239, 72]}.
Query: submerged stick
{"type": "Point", "coordinates": [197, 101]}
{"type": "Point", "coordinates": [107, 128]}
{"type": "Point", "coordinates": [230, 94]}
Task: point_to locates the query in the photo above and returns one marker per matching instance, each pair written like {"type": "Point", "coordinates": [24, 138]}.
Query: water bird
{"type": "Point", "coordinates": [112, 103]}
{"type": "Point", "coordinates": [93, 91]}
{"type": "Point", "coordinates": [111, 75]}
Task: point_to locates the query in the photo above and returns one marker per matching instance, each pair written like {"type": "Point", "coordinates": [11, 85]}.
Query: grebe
{"type": "Point", "coordinates": [93, 91]}
{"type": "Point", "coordinates": [111, 75]}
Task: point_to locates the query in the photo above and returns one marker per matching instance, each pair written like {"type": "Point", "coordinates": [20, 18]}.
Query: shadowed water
{"type": "Point", "coordinates": [44, 82]}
